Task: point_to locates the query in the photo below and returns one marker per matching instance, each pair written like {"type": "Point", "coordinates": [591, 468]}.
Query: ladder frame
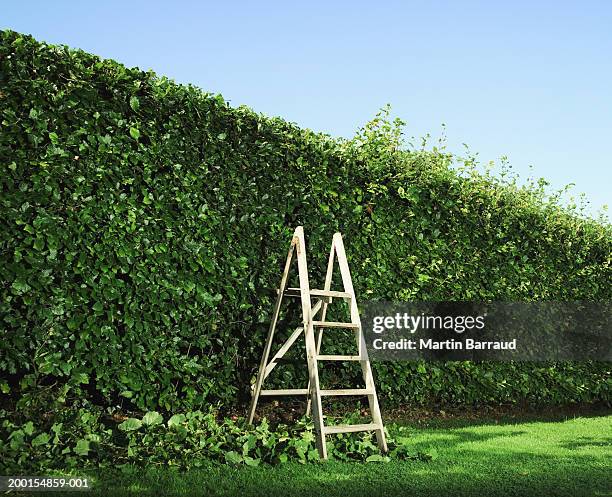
{"type": "Point", "coordinates": [313, 343]}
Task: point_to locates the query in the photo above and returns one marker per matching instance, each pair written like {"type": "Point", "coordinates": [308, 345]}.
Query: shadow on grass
{"type": "Point", "coordinates": [588, 442]}
{"type": "Point", "coordinates": [504, 419]}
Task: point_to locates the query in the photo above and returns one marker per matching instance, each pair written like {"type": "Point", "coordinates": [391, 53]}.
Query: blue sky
{"type": "Point", "coordinates": [529, 80]}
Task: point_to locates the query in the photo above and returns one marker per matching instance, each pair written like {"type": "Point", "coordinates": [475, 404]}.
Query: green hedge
{"type": "Point", "coordinates": [145, 223]}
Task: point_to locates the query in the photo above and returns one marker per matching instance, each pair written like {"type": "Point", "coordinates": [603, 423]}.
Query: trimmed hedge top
{"type": "Point", "coordinates": [145, 223]}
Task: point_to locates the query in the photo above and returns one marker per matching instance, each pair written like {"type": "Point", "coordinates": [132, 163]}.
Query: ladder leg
{"type": "Point", "coordinates": [318, 346]}
{"type": "Point", "coordinates": [381, 440]}
{"type": "Point", "coordinates": [264, 359]}
{"type": "Point", "coordinates": [315, 396]}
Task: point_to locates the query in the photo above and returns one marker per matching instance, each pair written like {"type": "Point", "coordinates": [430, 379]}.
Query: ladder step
{"type": "Point", "coordinates": [338, 358]}
{"type": "Point", "coordinates": [351, 428]}
{"type": "Point", "coordinates": [291, 391]}
{"type": "Point", "coordinates": [348, 391]}
{"type": "Point", "coordinates": [334, 324]}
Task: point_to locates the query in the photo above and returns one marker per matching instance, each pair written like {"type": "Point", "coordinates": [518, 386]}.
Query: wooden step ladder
{"type": "Point", "coordinates": [313, 318]}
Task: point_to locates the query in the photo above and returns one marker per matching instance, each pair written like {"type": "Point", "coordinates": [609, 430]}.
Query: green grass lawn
{"type": "Point", "coordinates": [570, 457]}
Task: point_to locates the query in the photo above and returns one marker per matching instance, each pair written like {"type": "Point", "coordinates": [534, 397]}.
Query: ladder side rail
{"type": "Point", "coordinates": [326, 287]}
{"type": "Point", "coordinates": [347, 282]}
{"type": "Point", "coordinates": [363, 352]}
{"type": "Point", "coordinates": [311, 348]}
{"type": "Point", "coordinates": [381, 438]}
{"type": "Point", "coordinates": [271, 329]}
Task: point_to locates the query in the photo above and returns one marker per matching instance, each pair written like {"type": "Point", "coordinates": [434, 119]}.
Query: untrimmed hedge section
{"type": "Point", "coordinates": [144, 225]}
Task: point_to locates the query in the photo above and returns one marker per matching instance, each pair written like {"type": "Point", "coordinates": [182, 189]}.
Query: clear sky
{"type": "Point", "coordinates": [529, 80]}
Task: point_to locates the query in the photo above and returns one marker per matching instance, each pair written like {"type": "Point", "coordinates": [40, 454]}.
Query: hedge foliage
{"type": "Point", "coordinates": [145, 224]}
{"type": "Point", "coordinates": [87, 437]}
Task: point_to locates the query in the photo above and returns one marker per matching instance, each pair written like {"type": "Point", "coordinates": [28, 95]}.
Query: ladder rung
{"type": "Point", "coordinates": [297, 292]}
{"type": "Point", "coordinates": [348, 391]}
{"type": "Point", "coordinates": [291, 391]}
{"type": "Point", "coordinates": [338, 358]}
{"type": "Point", "coordinates": [334, 324]}
{"type": "Point", "coordinates": [291, 292]}
{"type": "Point", "coordinates": [351, 428]}
{"type": "Point", "coordinates": [330, 293]}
